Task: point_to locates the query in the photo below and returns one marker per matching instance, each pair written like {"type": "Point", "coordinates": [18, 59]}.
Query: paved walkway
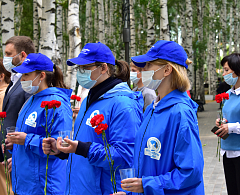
{"type": "Point", "coordinates": [214, 180]}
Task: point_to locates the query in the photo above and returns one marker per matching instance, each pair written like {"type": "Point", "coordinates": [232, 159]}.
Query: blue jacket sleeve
{"type": "Point", "coordinates": [188, 160]}
{"type": "Point", "coordinates": [62, 121]}
{"type": "Point", "coordinates": [126, 122]}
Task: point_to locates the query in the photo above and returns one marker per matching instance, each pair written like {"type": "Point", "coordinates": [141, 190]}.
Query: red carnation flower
{"type": "Point", "coordinates": [218, 98]}
{"type": "Point", "coordinates": [50, 105]}
{"type": "Point", "coordinates": [100, 128]}
{"type": "Point", "coordinates": [225, 96]}
{"type": "Point", "coordinates": [96, 120]}
{"type": "Point", "coordinates": [78, 98]}
{"type": "Point", "coordinates": [73, 97]}
{"type": "Point", "coordinates": [44, 103]}
{"type": "Point", "coordinates": [3, 114]}
{"type": "Point", "coordinates": [56, 103]}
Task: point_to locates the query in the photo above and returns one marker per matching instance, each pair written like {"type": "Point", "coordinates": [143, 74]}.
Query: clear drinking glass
{"type": "Point", "coordinates": [12, 129]}
{"type": "Point", "coordinates": [65, 134]}
{"type": "Point", "coordinates": [127, 173]}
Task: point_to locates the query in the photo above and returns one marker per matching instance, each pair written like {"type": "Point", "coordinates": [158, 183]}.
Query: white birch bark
{"type": "Point", "coordinates": [183, 23]}
{"type": "Point", "coordinates": [88, 21]}
{"type": "Point", "coordinates": [17, 16]}
{"type": "Point", "coordinates": [101, 21]}
{"type": "Point", "coordinates": [59, 33]}
{"type": "Point", "coordinates": [7, 21]}
{"type": "Point", "coordinates": [74, 39]}
{"type": "Point", "coordinates": [224, 26]}
{"type": "Point", "coordinates": [230, 32]}
{"type": "Point", "coordinates": [39, 4]}
{"type": "Point", "coordinates": [35, 25]}
{"type": "Point", "coordinates": [235, 32]}
{"type": "Point", "coordinates": [132, 29]}
{"type": "Point", "coordinates": [150, 27]}
{"type": "Point", "coordinates": [188, 47]}
{"type": "Point", "coordinates": [96, 26]}
{"type": "Point", "coordinates": [176, 23]}
{"type": "Point", "coordinates": [164, 29]}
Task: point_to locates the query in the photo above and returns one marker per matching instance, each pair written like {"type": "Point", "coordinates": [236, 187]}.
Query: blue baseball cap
{"type": "Point", "coordinates": [165, 50]}
{"type": "Point", "coordinates": [34, 61]}
{"type": "Point", "coordinates": [93, 52]}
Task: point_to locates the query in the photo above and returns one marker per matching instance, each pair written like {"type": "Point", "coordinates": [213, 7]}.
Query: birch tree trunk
{"type": "Point", "coordinates": [96, 26]}
{"type": "Point", "coordinates": [235, 13]}
{"type": "Point", "coordinates": [183, 23]}
{"type": "Point", "coordinates": [88, 21]}
{"type": "Point", "coordinates": [188, 47]}
{"type": "Point", "coordinates": [74, 39]}
{"type": "Point", "coordinates": [17, 16]}
{"type": "Point", "coordinates": [35, 25]}
{"type": "Point", "coordinates": [164, 30]}
{"type": "Point", "coordinates": [101, 21]}
{"type": "Point", "coordinates": [150, 27]}
{"type": "Point", "coordinates": [1, 51]}
{"type": "Point", "coordinates": [7, 21]}
{"type": "Point", "coordinates": [132, 29]}
{"type": "Point", "coordinates": [59, 33]}
{"type": "Point", "coordinates": [230, 31]}
{"type": "Point", "coordinates": [224, 26]}
{"type": "Point", "coordinates": [200, 86]}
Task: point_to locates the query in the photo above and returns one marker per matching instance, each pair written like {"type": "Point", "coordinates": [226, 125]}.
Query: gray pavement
{"type": "Point", "coordinates": [213, 174]}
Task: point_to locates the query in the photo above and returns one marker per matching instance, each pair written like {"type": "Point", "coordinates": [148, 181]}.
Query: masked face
{"type": "Point", "coordinates": [133, 77]}
{"type": "Point", "coordinates": [84, 79]}
{"type": "Point", "coordinates": [147, 79]}
{"type": "Point", "coordinates": [229, 79]}
{"type": "Point", "coordinates": [7, 63]}
{"type": "Point", "coordinates": [28, 87]}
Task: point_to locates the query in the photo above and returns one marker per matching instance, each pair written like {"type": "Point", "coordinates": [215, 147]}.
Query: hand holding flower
{"type": "Point", "coordinates": [132, 185]}
{"type": "Point", "coordinates": [9, 164]}
{"type": "Point", "coordinates": [18, 138]}
{"type": "Point", "coordinates": [223, 130]}
{"type": "Point", "coordinates": [70, 149]}
{"type": "Point", "coordinates": [49, 146]}
{"type": "Point", "coordinates": [9, 146]}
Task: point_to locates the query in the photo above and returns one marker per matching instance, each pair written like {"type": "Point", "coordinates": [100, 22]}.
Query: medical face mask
{"type": "Point", "coordinates": [27, 86]}
{"type": "Point", "coordinates": [133, 77]}
{"type": "Point", "coordinates": [229, 79]}
{"type": "Point", "coordinates": [84, 79]}
{"type": "Point", "coordinates": [7, 63]}
{"type": "Point", "coordinates": [148, 80]}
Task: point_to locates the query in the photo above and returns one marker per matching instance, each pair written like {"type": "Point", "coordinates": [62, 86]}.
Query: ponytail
{"type": "Point", "coordinates": [55, 78]}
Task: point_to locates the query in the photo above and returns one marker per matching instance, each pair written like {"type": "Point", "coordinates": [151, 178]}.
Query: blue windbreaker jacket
{"type": "Point", "coordinates": [168, 151]}
{"type": "Point", "coordinates": [122, 110]}
{"type": "Point", "coordinates": [29, 161]}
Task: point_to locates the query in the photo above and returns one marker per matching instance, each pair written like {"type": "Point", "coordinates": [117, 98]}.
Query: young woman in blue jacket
{"type": "Point", "coordinates": [41, 78]}
{"type": "Point", "coordinates": [87, 170]}
{"type": "Point", "coordinates": [168, 156]}
{"type": "Point", "coordinates": [230, 147]}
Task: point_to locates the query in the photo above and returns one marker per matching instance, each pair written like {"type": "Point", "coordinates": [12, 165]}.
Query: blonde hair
{"type": "Point", "coordinates": [180, 79]}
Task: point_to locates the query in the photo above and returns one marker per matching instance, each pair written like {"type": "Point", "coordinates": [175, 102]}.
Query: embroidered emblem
{"type": "Point", "coordinates": [85, 51]}
{"type": "Point", "coordinates": [95, 112]}
{"type": "Point", "coordinates": [153, 148]}
{"type": "Point", "coordinates": [31, 120]}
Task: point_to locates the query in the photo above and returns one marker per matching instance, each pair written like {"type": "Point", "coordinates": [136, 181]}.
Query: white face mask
{"type": "Point", "coordinates": [148, 80]}
{"type": "Point", "coordinates": [27, 86]}
{"type": "Point", "coordinates": [133, 77]}
{"type": "Point", "coordinates": [7, 63]}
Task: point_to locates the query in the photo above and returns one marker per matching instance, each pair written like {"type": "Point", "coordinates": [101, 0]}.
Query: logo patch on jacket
{"type": "Point", "coordinates": [153, 148]}
{"type": "Point", "coordinates": [94, 113]}
{"type": "Point", "coordinates": [31, 120]}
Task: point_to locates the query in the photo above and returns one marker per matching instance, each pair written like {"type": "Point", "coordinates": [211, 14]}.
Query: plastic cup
{"type": "Point", "coordinates": [65, 134]}
{"type": "Point", "coordinates": [12, 130]}
{"type": "Point", "coordinates": [127, 173]}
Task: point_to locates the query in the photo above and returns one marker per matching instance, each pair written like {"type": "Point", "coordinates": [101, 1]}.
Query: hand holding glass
{"type": "Point", "coordinates": [65, 134]}
{"type": "Point", "coordinates": [127, 173]}
{"type": "Point", "coordinates": [11, 130]}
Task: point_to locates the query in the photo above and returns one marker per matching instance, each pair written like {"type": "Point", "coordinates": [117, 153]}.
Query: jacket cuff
{"type": "Point", "coordinates": [83, 148]}
{"type": "Point", "coordinates": [62, 155]}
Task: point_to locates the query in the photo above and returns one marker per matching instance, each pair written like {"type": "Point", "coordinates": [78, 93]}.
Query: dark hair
{"type": "Point", "coordinates": [55, 78]}
{"type": "Point", "coordinates": [22, 43]}
{"type": "Point", "coordinates": [120, 70]}
{"type": "Point", "coordinates": [7, 74]}
{"type": "Point", "coordinates": [233, 62]}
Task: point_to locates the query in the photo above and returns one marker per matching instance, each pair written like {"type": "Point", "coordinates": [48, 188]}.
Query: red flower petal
{"type": "Point", "coordinates": [3, 114]}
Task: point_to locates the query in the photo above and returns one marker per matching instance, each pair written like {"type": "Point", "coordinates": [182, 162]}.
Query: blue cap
{"type": "Point", "coordinates": [165, 50]}
{"type": "Point", "coordinates": [34, 61]}
{"type": "Point", "coordinates": [93, 52]}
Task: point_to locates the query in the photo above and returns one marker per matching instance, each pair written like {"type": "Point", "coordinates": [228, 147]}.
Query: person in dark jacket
{"type": "Point", "coordinates": [87, 171]}
{"type": "Point", "coordinates": [222, 87]}
{"type": "Point", "coordinates": [44, 81]}
{"type": "Point", "coordinates": [168, 156]}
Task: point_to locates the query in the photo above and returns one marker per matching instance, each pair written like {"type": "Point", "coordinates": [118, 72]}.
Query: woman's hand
{"type": "Point", "coordinates": [49, 146]}
{"type": "Point", "coordinates": [9, 164]}
{"type": "Point", "coordinates": [120, 193]}
{"type": "Point", "coordinates": [16, 138]}
{"type": "Point", "coordinates": [75, 112]}
{"type": "Point", "coordinates": [132, 184]}
{"type": "Point", "coordinates": [218, 120]}
{"type": "Point", "coordinates": [70, 149]}
{"type": "Point", "coordinates": [223, 130]}
{"type": "Point", "coordinates": [9, 146]}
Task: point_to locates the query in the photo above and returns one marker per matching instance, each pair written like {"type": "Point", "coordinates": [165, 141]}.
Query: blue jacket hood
{"type": "Point", "coordinates": [173, 98]}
